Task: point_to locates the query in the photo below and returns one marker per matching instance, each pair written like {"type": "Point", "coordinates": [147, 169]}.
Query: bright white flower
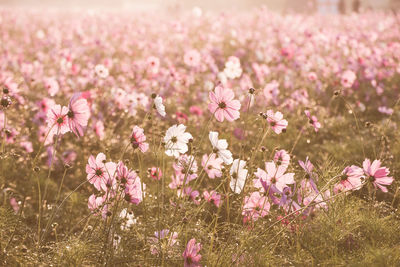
{"type": "Point", "coordinates": [238, 175]}
{"type": "Point", "coordinates": [128, 219]}
{"type": "Point", "coordinates": [220, 148]}
{"type": "Point", "coordinates": [232, 68]}
{"type": "Point", "coordinates": [101, 71]}
{"type": "Point", "coordinates": [176, 140]}
{"type": "Point", "coordinates": [160, 106]}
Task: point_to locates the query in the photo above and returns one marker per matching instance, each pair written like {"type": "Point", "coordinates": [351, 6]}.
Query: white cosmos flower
{"type": "Point", "coordinates": [160, 106]}
{"type": "Point", "coordinates": [238, 175]}
{"type": "Point", "coordinates": [101, 71]}
{"type": "Point", "coordinates": [176, 140]}
{"type": "Point", "coordinates": [220, 147]}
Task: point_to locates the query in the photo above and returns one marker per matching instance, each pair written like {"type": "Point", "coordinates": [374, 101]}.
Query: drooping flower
{"type": "Point", "coordinates": [238, 175]}
{"type": "Point", "coordinates": [158, 102]}
{"type": "Point", "coordinates": [313, 120]}
{"type": "Point", "coordinates": [133, 191]}
{"type": "Point", "coordinates": [212, 165]}
{"type": "Point", "coordinates": [176, 140]}
{"type": "Point", "coordinates": [377, 175]}
{"type": "Point", "coordinates": [222, 105]}
{"type": "Point", "coordinates": [350, 179]}
{"type": "Point", "coordinates": [276, 121]}
{"type": "Point", "coordinates": [78, 114]}
{"type": "Point", "coordinates": [57, 119]}
{"type": "Point", "coordinates": [220, 147]}
{"type": "Point", "coordinates": [191, 254]}
{"type": "Point", "coordinates": [138, 139]}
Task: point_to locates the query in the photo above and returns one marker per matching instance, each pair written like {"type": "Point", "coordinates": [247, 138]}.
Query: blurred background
{"type": "Point", "coordinates": [304, 6]}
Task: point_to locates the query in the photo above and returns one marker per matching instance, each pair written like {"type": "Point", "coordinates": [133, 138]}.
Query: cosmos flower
{"type": "Point", "coordinates": [232, 68]}
{"type": "Point", "coordinates": [191, 254]}
{"type": "Point", "coordinates": [212, 196]}
{"type": "Point", "coordinates": [275, 175]}
{"type": "Point", "coordinates": [138, 139]}
{"type": "Point", "coordinates": [158, 102]}
{"type": "Point", "coordinates": [348, 78]}
{"type": "Point", "coordinates": [255, 206]}
{"type": "Point", "coordinates": [99, 172]}
{"type": "Point", "coordinates": [276, 121]}
{"type": "Point", "coordinates": [282, 157]}
{"type": "Point", "coordinates": [238, 175]}
{"type": "Point", "coordinates": [101, 71]}
{"type": "Point", "coordinates": [57, 119]}
{"type": "Point", "coordinates": [313, 120]}
{"type": "Point", "coordinates": [222, 105]}
{"type": "Point", "coordinates": [78, 114]}
{"type": "Point", "coordinates": [192, 58]}
{"type": "Point", "coordinates": [220, 147]}
{"type": "Point", "coordinates": [212, 165]}
{"type": "Point", "coordinates": [350, 179]}
{"type": "Point", "coordinates": [176, 140]}
{"type": "Point", "coordinates": [376, 174]}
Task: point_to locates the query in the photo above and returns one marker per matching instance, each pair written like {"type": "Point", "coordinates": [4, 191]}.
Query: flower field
{"type": "Point", "coordinates": [193, 138]}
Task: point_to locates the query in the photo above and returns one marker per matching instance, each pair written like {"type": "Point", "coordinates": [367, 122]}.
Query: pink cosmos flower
{"type": "Point", "coordinates": [276, 121]}
{"type": "Point", "coordinates": [212, 165]}
{"type": "Point", "coordinates": [222, 105]}
{"type": "Point", "coordinates": [186, 165]}
{"type": "Point", "coordinates": [155, 173]}
{"type": "Point", "coordinates": [350, 179]}
{"type": "Point", "coordinates": [192, 194]}
{"type": "Point", "coordinates": [282, 157]}
{"type": "Point", "coordinates": [191, 256]}
{"type": "Point", "coordinates": [348, 78]}
{"type": "Point", "coordinates": [57, 119]}
{"type": "Point", "coordinates": [164, 237]}
{"type": "Point", "coordinates": [133, 191]}
{"type": "Point", "coordinates": [275, 175]}
{"type": "Point", "coordinates": [192, 58]}
{"type": "Point", "coordinates": [313, 120]}
{"type": "Point", "coordinates": [99, 172]}
{"type": "Point", "coordinates": [99, 129]}
{"type": "Point", "coordinates": [376, 174]}
{"type": "Point", "coordinates": [126, 176]}
{"type": "Point", "coordinates": [196, 110]}
{"type": "Point", "coordinates": [255, 206]}
{"type": "Point", "coordinates": [212, 196]}
{"type": "Point", "coordinates": [138, 139]}
{"type": "Point", "coordinates": [78, 114]}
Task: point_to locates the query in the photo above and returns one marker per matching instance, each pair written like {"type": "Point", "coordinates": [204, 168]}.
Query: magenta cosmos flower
{"type": "Point", "coordinates": [222, 105]}
{"type": "Point", "coordinates": [191, 256]}
{"type": "Point", "coordinates": [138, 139]}
{"type": "Point", "coordinates": [57, 119]}
{"type": "Point", "coordinates": [276, 121]}
{"type": "Point", "coordinates": [78, 114]}
{"type": "Point", "coordinates": [376, 174]}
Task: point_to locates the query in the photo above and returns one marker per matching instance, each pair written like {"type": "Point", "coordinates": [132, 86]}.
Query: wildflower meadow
{"type": "Point", "coordinates": [196, 138]}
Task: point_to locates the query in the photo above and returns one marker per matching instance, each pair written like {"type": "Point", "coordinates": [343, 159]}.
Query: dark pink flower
{"type": "Point", "coordinates": [191, 256]}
